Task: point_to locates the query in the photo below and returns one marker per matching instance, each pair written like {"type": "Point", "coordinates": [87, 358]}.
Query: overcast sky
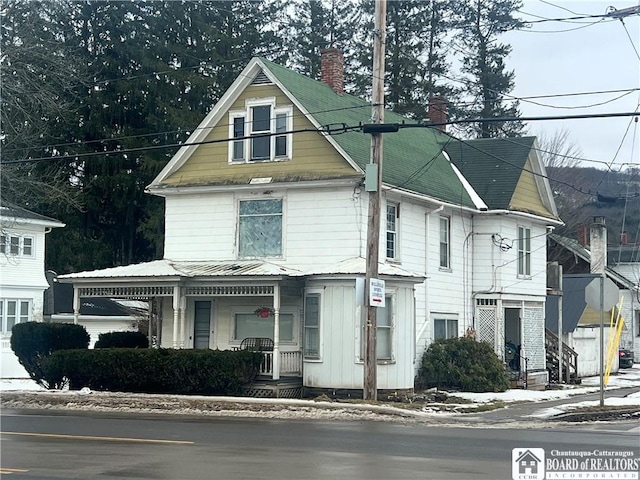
{"type": "Point", "coordinates": [561, 57]}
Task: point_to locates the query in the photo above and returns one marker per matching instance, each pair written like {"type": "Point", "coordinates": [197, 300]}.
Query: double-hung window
{"type": "Point", "coordinates": [16, 245]}
{"type": "Point", "coordinates": [312, 326]}
{"type": "Point", "coordinates": [385, 324]}
{"type": "Point", "coordinates": [392, 231]}
{"type": "Point", "coordinates": [260, 228]}
{"type": "Point", "coordinates": [445, 328]}
{"type": "Point", "coordinates": [524, 251]}
{"type": "Point", "coordinates": [261, 132]}
{"type": "Point", "coordinates": [445, 242]}
{"type": "Point", "coordinates": [14, 311]}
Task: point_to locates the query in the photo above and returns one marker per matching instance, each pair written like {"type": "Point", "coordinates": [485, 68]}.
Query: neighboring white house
{"type": "Point", "coordinates": [22, 277]}
{"type": "Point", "coordinates": [97, 315]}
{"type": "Point", "coordinates": [623, 268]}
{"type": "Point", "coordinates": [266, 226]}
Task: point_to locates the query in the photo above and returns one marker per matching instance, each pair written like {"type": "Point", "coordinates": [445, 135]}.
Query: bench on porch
{"type": "Point", "coordinates": [257, 344]}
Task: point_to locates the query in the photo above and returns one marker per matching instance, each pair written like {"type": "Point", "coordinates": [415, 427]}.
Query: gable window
{"type": "Point", "coordinates": [260, 228]}
{"type": "Point", "coordinates": [16, 245]}
{"type": "Point", "coordinates": [445, 328]}
{"type": "Point", "coordinates": [445, 242]}
{"type": "Point", "coordinates": [392, 231]}
{"type": "Point", "coordinates": [14, 311]}
{"type": "Point", "coordinates": [312, 326]}
{"type": "Point", "coordinates": [259, 133]}
{"type": "Point", "coordinates": [524, 251]}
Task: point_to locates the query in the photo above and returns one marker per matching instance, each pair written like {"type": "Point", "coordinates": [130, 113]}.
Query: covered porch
{"type": "Point", "coordinates": [215, 305]}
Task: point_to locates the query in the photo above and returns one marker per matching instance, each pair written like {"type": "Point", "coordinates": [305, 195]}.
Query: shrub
{"type": "Point", "coordinates": [34, 341]}
{"type": "Point", "coordinates": [122, 340]}
{"type": "Point", "coordinates": [205, 372]}
{"type": "Point", "coordinates": [462, 364]}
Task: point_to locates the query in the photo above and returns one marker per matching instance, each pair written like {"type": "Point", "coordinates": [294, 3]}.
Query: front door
{"type": "Point", "coordinates": [202, 324]}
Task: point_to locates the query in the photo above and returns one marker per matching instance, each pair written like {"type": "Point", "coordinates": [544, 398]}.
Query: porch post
{"type": "Point", "coordinates": [276, 332]}
{"type": "Point", "coordinates": [76, 305]}
{"type": "Point", "coordinates": [176, 313]}
{"type": "Point", "coordinates": [183, 309]}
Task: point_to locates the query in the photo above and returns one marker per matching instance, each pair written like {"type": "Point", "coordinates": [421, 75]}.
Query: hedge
{"type": "Point", "coordinates": [206, 372]}
{"type": "Point", "coordinates": [122, 340]}
{"type": "Point", "coordinates": [32, 342]}
{"type": "Point", "coordinates": [462, 364]}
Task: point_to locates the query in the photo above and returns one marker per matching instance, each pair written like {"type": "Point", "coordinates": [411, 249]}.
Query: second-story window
{"type": "Point", "coordinates": [392, 231]}
{"type": "Point", "coordinates": [445, 242]}
{"type": "Point", "coordinates": [260, 228]}
{"type": "Point", "coordinates": [259, 133]}
{"type": "Point", "coordinates": [524, 251]}
{"type": "Point", "coordinates": [16, 245]}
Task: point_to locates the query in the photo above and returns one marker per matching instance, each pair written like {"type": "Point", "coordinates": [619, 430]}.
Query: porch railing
{"type": "Point", "coordinates": [290, 363]}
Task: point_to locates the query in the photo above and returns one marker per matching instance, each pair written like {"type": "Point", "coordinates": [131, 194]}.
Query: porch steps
{"type": "Point", "coordinates": [569, 360]}
{"type": "Point", "coordinates": [289, 387]}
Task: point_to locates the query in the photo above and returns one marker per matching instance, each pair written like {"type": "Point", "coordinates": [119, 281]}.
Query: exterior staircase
{"type": "Point", "coordinates": [569, 360]}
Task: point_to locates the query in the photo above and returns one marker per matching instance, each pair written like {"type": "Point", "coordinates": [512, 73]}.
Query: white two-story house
{"type": "Point", "coordinates": [266, 228]}
{"type": "Point", "coordinates": [22, 277]}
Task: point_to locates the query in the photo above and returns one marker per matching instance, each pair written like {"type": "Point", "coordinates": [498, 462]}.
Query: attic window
{"type": "Point", "coordinates": [261, 79]}
{"type": "Point", "coordinates": [259, 133]}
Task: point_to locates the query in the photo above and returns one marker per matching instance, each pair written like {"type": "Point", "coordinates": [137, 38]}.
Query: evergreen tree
{"type": "Point", "coordinates": [318, 24]}
{"type": "Point", "coordinates": [480, 23]}
{"type": "Point", "coordinates": [415, 65]}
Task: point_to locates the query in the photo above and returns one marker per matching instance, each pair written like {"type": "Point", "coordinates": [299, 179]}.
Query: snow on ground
{"type": "Point", "coordinates": [625, 378]}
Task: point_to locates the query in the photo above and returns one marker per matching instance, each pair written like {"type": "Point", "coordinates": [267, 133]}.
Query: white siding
{"type": "Point", "coordinates": [340, 365]}
{"type": "Point", "coordinates": [320, 227]}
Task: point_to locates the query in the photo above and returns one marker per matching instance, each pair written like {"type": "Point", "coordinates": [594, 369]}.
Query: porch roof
{"type": "Point", "coordinates": [169, 269]}
{"type": "Point", "coordinates": [358, 266]}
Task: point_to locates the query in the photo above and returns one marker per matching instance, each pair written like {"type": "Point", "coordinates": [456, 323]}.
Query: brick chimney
{"type": "Point", "coordinates": [582, 234]}
{"type": "Point", "coordinates": [437, 112]}
{"type": "Point", "coordinates": [623, 238]}
{"type": "Point", "coordinates": [332, 68]}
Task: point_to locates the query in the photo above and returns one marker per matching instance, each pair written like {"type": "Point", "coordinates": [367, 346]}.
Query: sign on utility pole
{"type": "Point", "coordinates": [370, 387]}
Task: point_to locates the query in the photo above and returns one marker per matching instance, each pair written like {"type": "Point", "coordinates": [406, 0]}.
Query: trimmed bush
{"type": "Point", "coordinates": [206, 372]}
{"type": "Point", "coordinates": [32, 342]}
{"type": "Point", "coordinates": [462, 364]}
{"type": "Point", "coordinates": [122, 340]}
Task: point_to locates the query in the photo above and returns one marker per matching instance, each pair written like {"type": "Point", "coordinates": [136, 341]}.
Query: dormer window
{"type": "Point", "coordinates": [259, 133]}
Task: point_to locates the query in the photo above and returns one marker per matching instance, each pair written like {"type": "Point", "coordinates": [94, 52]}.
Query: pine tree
{"type": "Point", "coordinates": [480, 23]}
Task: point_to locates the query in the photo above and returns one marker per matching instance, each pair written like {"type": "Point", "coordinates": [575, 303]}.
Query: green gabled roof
{"type": "Point", "coordinates": [492, 166]}
{"type": "Point", "coordinates": [413, 158]}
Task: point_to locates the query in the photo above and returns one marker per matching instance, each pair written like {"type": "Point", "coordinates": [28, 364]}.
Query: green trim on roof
{"type": "Point", "coordinates": [492, 166]}
{"type": "Point", "coordinates": [413, 158]}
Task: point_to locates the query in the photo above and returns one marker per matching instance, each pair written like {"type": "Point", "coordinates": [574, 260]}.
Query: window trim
{"type": "Point", "coordinates": [390, 296]}
{"type": "Point", "coordinates": [395, 232]}
{"type": "Point", "coordinates": [10, 240]}
{"type": "Point", "coordinates": [4, 312]}
{"type": "Point", "coordinates": [316, 293]}
{"type": "Point", "coordinates": [447, 243]}
{"type": "Point", "coordinates": [280, 255]}
{"type": "Point", "coordinates": [524, 252]}
{"type": "Point", "coordinates": [247, 115]}
{"type": "Point", "coordinates": [446, 318]}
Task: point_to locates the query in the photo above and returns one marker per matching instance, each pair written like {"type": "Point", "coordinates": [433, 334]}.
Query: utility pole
{"type": "Point", "coordinates": [370, 390]}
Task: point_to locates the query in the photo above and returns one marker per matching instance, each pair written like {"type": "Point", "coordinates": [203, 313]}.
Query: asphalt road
{"type": "Point", "coordinates": [107, 447]}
